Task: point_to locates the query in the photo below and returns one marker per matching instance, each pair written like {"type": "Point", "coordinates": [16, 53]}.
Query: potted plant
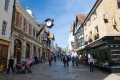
{"type": "Point", "coordinates": [85, 42]}
{"type": "Point", "coordinates": [96, 36]}
{"type": "Point", "coordinates": [90, 40]}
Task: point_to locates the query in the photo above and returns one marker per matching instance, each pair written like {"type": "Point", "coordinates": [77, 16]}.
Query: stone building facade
{"type": "Point", "coordinates": [24, 41]}
{"type": "Point", "coordinates": [6, 10]}
{"type": "Point", "coordinates": [102, 34]}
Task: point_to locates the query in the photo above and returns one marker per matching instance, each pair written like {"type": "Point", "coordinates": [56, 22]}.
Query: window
{"type": "Point", "coordinates": [6, 4]}
{"type": "Point", "coordinates": [82, 41]}
{"type": "Point", "coordinates": [89, 22]}
{"type": "Point", "coordinates": [20, 22]}
{"type": "Point", "coordinates": [34, 32]}
{"type": "Point", "coordinates": [31, 30]}
{"type": "Point", "coordinates": [118, 3]}
{"type": "Point", "coordinates": [96, 29]}
{"type": "Point", "coordinates": [4, 28]}
{"type": "Point", "coordinates": [90, 32]}
{"type": "Point", "coordinates": [95, 15]}
{"type": "Point", "coordinates": [27, 27]}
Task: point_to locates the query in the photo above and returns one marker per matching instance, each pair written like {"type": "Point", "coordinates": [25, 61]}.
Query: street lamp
{"type": "Point", "coordinates": [48, 24]}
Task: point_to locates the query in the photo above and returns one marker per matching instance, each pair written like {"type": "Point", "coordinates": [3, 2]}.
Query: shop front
{"type": "Point", "coordinates": [106, 53]}
{"type": "Point", "coordinates": [4, 45]}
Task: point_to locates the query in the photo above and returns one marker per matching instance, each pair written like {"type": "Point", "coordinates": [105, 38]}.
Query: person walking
{"type": "Point", "coordinates": [54, 58]}
{"type": "Point", "coordinates": [67, 61]}
{"type": "Point", "coordinates": [50, 60]}
{"type": "Point", "coordinates": [73, 60]}
{"type": "Point", "coordinates": [64, 60]}
{"type": "Point", "coordinates": [28, 65]}
{"type": "Point", "coordinates": [10, 65]}
{"type": "Point", "coordinates": [77, 60]}
{"type": "Point", "coordinates": [91, 62]}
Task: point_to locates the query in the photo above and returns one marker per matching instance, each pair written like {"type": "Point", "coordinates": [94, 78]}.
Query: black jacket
{"type": "Point", "coordinates": [11, 62]}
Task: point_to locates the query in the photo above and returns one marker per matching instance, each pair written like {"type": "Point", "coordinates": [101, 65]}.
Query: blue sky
{"type": "Point", "coordinates": [62, 11]}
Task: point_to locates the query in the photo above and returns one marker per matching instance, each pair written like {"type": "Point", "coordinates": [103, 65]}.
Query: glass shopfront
{"type": "Point", "coordinates": [107, 56]}
{"type": "Point", "coordinates": [101, 56]}
{"type": "Point", "coordinates": [115, 57]}
{"type": "Point", "coordinates": [106, 53]}
{"type": "Point", "coordinates": [3, 56]}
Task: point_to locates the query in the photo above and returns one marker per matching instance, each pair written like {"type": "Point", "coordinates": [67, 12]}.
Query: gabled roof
{"type": "Point", "coordinates": [81, 17]}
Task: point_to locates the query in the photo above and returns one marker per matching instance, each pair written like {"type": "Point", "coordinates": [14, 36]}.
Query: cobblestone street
{"type": "Point", "coordinates": [57, 71]}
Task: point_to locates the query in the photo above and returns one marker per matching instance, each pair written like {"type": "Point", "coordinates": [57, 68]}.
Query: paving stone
{"type": "Point", "coordinates": [58, 72]}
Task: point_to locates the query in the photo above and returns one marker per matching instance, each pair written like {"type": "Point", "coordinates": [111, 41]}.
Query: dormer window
{"type": "Point", "coordinates": [95, 15]}
{"type": "Point", "coordinates": [118, 3]}
{"type": "Point", "coordinates": [90, 32]}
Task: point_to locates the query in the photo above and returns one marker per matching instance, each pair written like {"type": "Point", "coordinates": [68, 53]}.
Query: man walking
{"type": "Point", "coordinates": [50, 60]}
{"type": "Point", "coordinates": [73, 60]}
{"type": "Point", "coordinates": [10, 65]}
{"type": "Point", "coordinates": [91, 61]}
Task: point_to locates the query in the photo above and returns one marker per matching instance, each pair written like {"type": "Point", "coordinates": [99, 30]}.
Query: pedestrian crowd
{"type": "Point", "coordinates": [25, 64]}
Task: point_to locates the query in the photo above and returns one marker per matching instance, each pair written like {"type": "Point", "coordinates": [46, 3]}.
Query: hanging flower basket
{"type": "Point", "coordinates": [90, 40]}
{"type": "Point", "coordinates": [96, 36]}
{"type": "Point", "coordinates": [85, 42]}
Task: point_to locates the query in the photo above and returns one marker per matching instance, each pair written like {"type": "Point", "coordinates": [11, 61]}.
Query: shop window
{"type": "Point", "coordinates": [118, 3]}
{"type": "Point", "coordinates": [6, 5]}
{"type": "Point", "coordinates": [4, 25]}
{"type": "Point", "coordinates": [115, 57]}
{"type": "Point", "coordinates": [3, 53]}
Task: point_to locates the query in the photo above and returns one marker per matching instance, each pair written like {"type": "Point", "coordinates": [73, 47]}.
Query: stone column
{"type": "Point", "coordinates": [12, 47]}
{"type": "Point", "coordinates": [23, 53]}
{"type": "Point", "coordinates": [37, 53]}
{"type": "Point", "coordinates": [31, 52]}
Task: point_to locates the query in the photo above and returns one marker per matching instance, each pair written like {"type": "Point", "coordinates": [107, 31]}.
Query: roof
{"type": "Point", "coordinates": [97, 3]}
{"type": "Point", "coordinates": [81, 17]}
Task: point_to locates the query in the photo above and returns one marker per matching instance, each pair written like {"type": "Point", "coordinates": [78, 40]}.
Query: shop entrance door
{"type": "Point", "coordinates": [17, 51]}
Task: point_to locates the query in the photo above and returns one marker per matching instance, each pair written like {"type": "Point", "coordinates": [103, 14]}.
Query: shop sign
{"type": "Point", "coordinates": [116, 38]}
{"type": "Point", "coordinates": [3, 42]}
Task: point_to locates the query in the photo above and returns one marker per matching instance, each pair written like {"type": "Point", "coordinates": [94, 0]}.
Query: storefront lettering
{"type": "Point", "coordinates": [116, 38]}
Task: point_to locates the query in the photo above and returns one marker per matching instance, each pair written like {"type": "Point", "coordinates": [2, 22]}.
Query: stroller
{"type": "Point", "coordinates": [23, 67]}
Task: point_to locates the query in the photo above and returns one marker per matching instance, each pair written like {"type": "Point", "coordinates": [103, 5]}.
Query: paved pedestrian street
{"type": "Point", "coordinates": [57, 71]}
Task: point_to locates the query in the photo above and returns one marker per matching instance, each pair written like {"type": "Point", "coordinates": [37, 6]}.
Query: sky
{"type": "Point", "coordinates": [62, 11]}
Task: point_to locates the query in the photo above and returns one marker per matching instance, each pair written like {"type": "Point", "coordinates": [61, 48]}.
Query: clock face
{"type": "Point", "coordinates": [49, 23]}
